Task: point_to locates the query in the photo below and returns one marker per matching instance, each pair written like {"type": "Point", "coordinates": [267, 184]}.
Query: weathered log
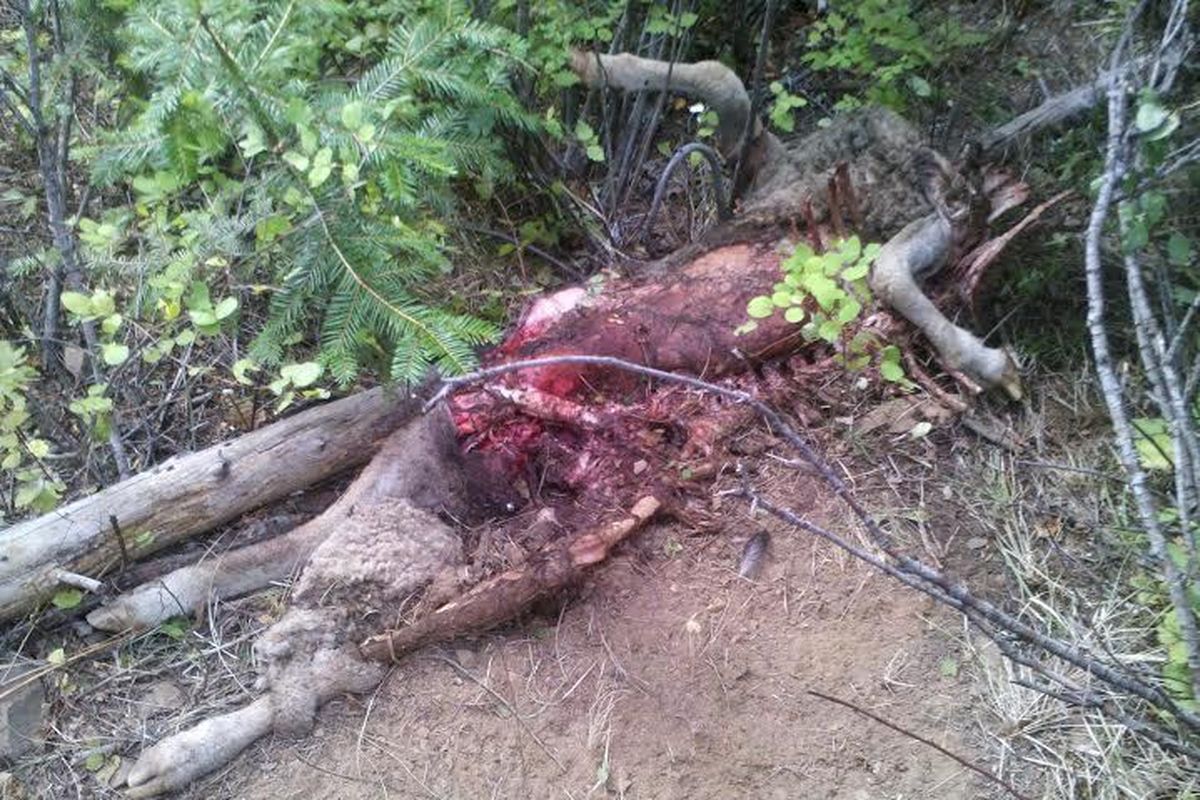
{"type": "Point", "coordinates": [190, 494]}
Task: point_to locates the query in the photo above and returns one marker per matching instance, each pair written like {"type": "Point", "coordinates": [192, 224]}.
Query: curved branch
{"type": "Point", "coordinates": [724, 213]}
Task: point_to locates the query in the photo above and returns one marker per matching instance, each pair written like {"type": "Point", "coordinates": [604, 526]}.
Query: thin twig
{"type": "Point", "coordinates": [996, 779]}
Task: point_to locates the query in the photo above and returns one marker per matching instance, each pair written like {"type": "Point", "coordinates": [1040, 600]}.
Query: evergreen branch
{"type": "Point", "coordinates": [278, 29]}
{"type": "Point", "coordinates": [411, 319]}
{"type": "Point", "coordinates": [239, 78]}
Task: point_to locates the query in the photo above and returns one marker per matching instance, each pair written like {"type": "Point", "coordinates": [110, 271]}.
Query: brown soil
{"type": "Point", "coordinates": [666, 676]}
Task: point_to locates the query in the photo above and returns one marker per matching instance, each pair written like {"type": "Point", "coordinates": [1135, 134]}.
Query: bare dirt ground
{"type": "Point", "coordinates": [666, 676]}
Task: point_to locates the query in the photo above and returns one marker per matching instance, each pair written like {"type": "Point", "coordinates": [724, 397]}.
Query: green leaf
{"type": "Point", "coordinates": [856, 271]}
{"type": "Point", "coordinates": [94, 762]}
{"type": "Point", "coordinates": [1153, 443]}
{"type": "Point", "coordinates": [253, 142]}
{"type": "Point", "coordinates": [891, 371]}
{"type": "Point", "coordinates": [781, 299]}
{"type": "Point", "coordinates": [38, 448]}
{"type": "Point", "coordinates": [850, 249]}
{"type": "Point", "coordinates": [241, 367]}
{"type": "Point", "coordinates": [66, 599]}
{"type": "Point", "coordinates": [595, 153]}
{"type": "Point", "coordinates": [103, 303]}
{"type": "Point", "coordinates": [1150, 115]}
{"type": "Point", "coordinates": [1179, 249]}
{"type": "Point", "coordinates": [352, 115]}
{"type": "Point", "coordinates": [1166, 129]}
{"type": "Point", "coordinates": [175, 628]}
{"type": "Point", "coordinates": [920, 87]}
{"type": "Point", "coordinates": [203, 320]}
{"type": "Point", "coordinates": [760, 307]}
{"type": "Point", "coordinates": [308, 139]}
{"type": "Point", "coordinates": [849, 310]}
{"type": "Point", "coordinates": [299, 161]}
{"type": "Point", "coordinates": [76, 303]}
{"type": "Point", "coordinates": [301, 375]}
{"type": "Point", "coordinates": [830, 330]}
{"type": "Point", "coordinates": [224, 308]}
{"type": "Point", "coordinates": [322, 165]}
{"type": "Point", "coordinates": [111, 324]}
{"type": "Point", "coordinates": [114, 353]}
{"type": "Point", "coordinates": [794, 315]}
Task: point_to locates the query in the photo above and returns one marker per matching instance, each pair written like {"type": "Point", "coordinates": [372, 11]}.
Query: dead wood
{"type": "Point", "coordinates": [506, 596]}
{"type": "Point", "coordinates": [190, 494]}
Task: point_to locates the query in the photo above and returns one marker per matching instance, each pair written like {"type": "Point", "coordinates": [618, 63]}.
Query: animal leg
{"type": "Point", "coordinates": [178, 760]}
{"type": "Point", "coordinates": [185, 590]}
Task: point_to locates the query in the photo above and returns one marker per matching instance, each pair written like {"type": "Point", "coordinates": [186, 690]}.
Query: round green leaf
{"type": "Point", "coordinates": [301, 375]}
{"type": "Point", "coordinates": [225, 308]}
{"type": "Point", "coordinates": [298, 160]}
{"type": "Point", "coordinates": [1179, 249]}
{"type": "Point", "coordinates": [67, 598]}
{"type": "Point", "coordinates": [1150, 115]}
{"type": "Point", "coordinates": [111, 324]}
{"type": "Point", "coordinates": [76, 303]}
{"type": "Point", "coordinates": [352, 115]}
{"type": "Point", "coordinates": [891, 371]}
{"type": "Point", "coordinates": [103, 303]}
{"type": "Point", "coordinates": [241, 367]}
{"type": "Point", "coordinates": [760, 307]}
{"type": "Point", "coordinates": [794, 315]}
{"type": "Point", "coordinates": [114, 353]}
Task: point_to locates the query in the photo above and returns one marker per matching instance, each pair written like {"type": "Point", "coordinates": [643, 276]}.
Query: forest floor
{"type": "Point", "coordinates": [667, 675]}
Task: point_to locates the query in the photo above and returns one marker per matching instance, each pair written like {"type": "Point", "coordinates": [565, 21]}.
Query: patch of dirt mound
{"type": "Point", "coordinates": [666, 676]}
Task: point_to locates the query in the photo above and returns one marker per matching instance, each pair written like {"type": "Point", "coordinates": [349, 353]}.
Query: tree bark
{"type": "Point", "coordinates": [191, 494]}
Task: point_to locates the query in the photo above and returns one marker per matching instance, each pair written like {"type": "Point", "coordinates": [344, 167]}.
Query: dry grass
{"type": "Point", "coordinates": [1057, 523]}
{"type": "Point", "coordinates": [124, 693]}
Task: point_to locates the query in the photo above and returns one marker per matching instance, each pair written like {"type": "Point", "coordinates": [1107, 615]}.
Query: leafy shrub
{"type": "Point", "coordinates": [251, 168]}
{"type": "Point", "coordinates": [883, 45]}
{"type": "Point", "coordinates": [824, 293]}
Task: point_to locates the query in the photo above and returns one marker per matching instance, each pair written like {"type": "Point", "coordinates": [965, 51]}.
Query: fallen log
{"type": "Point", "coordinates": [190, 494]}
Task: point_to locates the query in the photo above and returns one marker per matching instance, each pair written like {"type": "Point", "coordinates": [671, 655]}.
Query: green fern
{"type": "Point", "coordinates": [350, 185]}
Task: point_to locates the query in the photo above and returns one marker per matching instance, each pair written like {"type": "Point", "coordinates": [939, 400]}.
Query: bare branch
{"type": "Point", "coordinates": [1008, 787]}
{"type": "Point", "coordinates": [1115, 168]}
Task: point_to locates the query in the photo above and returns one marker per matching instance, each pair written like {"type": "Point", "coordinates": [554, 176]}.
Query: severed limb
{"type": "Point", "coordinates": [920, 248]}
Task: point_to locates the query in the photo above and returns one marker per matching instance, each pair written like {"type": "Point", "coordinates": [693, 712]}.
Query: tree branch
{"type": "Point", "coordinates": [1115, 167]}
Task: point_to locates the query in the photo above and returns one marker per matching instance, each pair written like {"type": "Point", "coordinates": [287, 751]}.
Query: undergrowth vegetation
{"type": "Point", "coordinates": [216, 210]}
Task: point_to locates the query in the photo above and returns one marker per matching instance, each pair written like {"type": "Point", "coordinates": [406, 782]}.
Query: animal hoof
{"type": "Point", "coordinates": [171, 764]}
